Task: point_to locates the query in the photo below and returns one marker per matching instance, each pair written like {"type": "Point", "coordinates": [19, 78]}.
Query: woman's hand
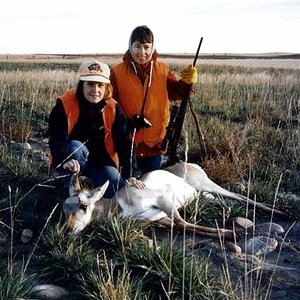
{"type": "Point", "coordinates": [189, 75]}
{"type": "Point", "coordinates": [136, 183]}
{"type": "Point", "coordinates": [72, 165]}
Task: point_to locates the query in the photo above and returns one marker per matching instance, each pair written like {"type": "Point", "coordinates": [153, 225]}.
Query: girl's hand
{"type": "Point", "coordinates": [136, 183]}
{"type": "Point", "coordinates": [72, 165]}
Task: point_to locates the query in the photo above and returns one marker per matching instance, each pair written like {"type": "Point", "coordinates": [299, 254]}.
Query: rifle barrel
{"type": "Point", "coordinates": [197, 53]}
{"type": "Point", "coordinates": [178, 121]}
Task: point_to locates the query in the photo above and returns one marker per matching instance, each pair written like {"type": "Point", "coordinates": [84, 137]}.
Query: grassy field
{"type": "Point", "coordinates": [248, 112]}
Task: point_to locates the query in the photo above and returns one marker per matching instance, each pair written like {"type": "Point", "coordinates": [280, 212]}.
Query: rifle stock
{"type": "Point", "coordinates": [175, 128]}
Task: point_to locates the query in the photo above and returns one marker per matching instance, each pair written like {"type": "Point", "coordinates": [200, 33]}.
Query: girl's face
{"type": "Point", "coordinates": [141, 52]}
{"type": "Point", "coordinates": [93, 91]}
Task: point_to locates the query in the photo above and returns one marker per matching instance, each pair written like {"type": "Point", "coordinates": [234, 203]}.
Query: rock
{"type": "Point", "coordinates": [243, 222]}
{"type": "Point", "coordinates": [270, 228]}
{"type": "Point", "coordinates": [20, 149]}
{"type": "Point", "coordinates": [49, 291]}
{"type": "Point", "coordinates": [261, 245]}
{"type": "Point", "coordinates": [234, 248]}
{"type": "Point", "coordinates": [209, 197]}
{"type": "Point", "coordinates": [26, 236]}
{"type": "Point", "coordinates": [238, 187]}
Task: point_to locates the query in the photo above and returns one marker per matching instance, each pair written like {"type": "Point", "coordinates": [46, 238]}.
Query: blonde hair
{"type": "Point", "coordinates": [108, 91]}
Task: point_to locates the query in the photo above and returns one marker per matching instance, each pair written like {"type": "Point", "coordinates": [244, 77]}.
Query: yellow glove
{"type": "Point", "coordinates": [189, 75]}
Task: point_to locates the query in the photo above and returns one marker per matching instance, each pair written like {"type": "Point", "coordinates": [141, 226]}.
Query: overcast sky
{"type": "Point", "coordinates": [104, 26]}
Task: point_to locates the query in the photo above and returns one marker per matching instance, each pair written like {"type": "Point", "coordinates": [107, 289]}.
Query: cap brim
{"type": "Point", "coordinates": [95, 78]}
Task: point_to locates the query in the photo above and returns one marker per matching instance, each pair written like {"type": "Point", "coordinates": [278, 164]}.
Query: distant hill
{"type": "Point", "coordinates": [236, 56]}
{"type": "Point", "coordinates": [40, 56]}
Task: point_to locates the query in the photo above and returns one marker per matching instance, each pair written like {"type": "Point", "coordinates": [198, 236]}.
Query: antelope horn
{"type": "Point", "coordinates": [74, 186]}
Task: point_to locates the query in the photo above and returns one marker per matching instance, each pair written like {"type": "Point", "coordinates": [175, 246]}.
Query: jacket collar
{"type": "Point", "coordinates": [141, 70]}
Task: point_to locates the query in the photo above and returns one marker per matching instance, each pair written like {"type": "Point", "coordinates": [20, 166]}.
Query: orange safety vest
{"type": "Point", "coordinates": [71, 107]}
{"type": "Point", "coordinates": [131, 95]}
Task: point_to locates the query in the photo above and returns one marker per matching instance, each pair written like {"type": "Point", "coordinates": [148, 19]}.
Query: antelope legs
{"type": "Point", "coordinates": [181, 225]}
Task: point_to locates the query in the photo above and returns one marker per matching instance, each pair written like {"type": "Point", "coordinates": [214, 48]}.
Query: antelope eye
{"type": "Point", "coordinates": [83, 207]}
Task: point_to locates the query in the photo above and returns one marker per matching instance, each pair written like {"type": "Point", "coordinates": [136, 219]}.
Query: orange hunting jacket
{"type": "Point", "coordinates": [71, 107]}
{"type": "Point", "coordinates": [131, 95]}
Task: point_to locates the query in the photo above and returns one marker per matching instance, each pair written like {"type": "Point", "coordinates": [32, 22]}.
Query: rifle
{"type": "Point", "coordinates": [176, 121]}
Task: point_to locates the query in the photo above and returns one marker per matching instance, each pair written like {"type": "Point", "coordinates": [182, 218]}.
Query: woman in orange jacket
{"type": "Point", "coordinates": [143, 86]}
{"type": "Point", "coordinates": [89, 132]}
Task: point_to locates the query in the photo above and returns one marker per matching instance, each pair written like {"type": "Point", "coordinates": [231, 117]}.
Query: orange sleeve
{"type": "Point", "coordinates": [176, 88]}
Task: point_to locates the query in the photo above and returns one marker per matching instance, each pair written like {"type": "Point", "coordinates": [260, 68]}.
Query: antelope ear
{"type": "Point", "coordinates": [97, 193]}
{"type": "Point", "coordinates": [74, 187]}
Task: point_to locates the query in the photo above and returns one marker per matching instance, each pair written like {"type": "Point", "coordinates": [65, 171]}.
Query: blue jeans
{"type": "Point", "coordinates": [98, 174]}
{"type": "Point", "coordinates": [149, 164]}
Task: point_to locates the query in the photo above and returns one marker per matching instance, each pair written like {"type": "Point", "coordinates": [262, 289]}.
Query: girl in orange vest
{"type": "Point", "coordinates": [88, 132]}
{"type": "Point", "coordinates": [143, 86]}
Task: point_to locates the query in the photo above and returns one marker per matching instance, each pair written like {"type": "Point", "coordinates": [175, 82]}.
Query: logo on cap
{"type": "Point", "coordinates": [95, 67]}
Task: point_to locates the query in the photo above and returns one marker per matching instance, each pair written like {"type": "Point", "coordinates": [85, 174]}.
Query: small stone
{"type": "Point", "coordinates": [261, 245]}
{"type": "Point", "coordinates": [21, 147]}
{"type": "Point", "coordinates": [270, 228]}
{"type": "Point", "coordinates": [26, 236]}
{"type": "Point", "coordinates": [243, 222]}
{"type": "Point", "coordinates": [234, 248]}
{"type": "Point", "coordinates": [49, 291]}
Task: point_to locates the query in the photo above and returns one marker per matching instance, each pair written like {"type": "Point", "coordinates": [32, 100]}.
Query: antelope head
{"type": "Point", "coordinates": [79, 206]}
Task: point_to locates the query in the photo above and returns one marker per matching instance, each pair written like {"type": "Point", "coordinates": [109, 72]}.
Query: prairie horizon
{"type": "Point", "coordinates": [278, 60]}
{"type": "Point", "coordinates": [219, 55]}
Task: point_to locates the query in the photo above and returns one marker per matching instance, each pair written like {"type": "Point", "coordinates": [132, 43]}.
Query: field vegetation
{"type": "Point", "coordinates": [249, 120]}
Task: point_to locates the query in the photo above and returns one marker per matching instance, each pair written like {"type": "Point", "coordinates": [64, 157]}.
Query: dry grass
{"type": "Point", "coordinates": [250, 122]}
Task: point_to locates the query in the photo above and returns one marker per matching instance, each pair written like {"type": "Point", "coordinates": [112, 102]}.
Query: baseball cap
{"type": "Point", "coordinates": [94, 71]}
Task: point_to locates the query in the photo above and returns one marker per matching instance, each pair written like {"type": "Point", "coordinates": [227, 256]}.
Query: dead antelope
{"type": "Point", "coordinates": [166, 191]}
{"type": "Point", "coordinates": [80, 205]}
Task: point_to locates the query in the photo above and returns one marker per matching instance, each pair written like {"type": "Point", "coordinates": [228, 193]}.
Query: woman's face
{"type": "Point", "coordinates": [141, 52]}
{"type": "Point", "coordinates": [93, 91]}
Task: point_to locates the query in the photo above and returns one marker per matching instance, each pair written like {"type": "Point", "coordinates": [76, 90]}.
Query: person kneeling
{"type": "Point", "coordinates": [88, 132]}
